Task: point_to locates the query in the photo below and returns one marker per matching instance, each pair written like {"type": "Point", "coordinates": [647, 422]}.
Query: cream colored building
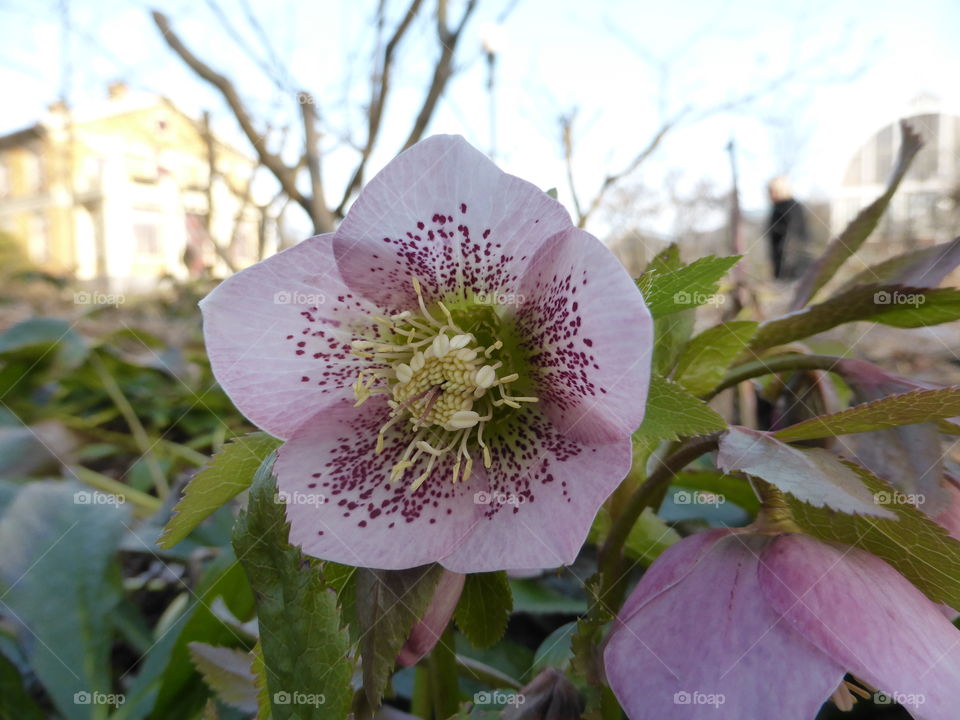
{"type": "Point", "coordinates": [925, 208]}
{"type": "Point", "coordinates": [119, 194]}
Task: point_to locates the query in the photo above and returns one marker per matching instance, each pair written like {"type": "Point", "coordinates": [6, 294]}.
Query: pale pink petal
{"type": "Point", "coordinates": [544, 490]}
{"type": "Point", "coordinates": [909, 456]}
{"type": "Point", "coordinates": [278, 336]}
{"type": "Point", "coordinates": [950, 517]}
{"type": "Point", "coordinates": [673, 565]}
{"type": "Point", "coordinates": [589, 335]}
{"type": "Point", "coordinates": [350, 512]}
{"type": "Point", "coordinates": [709, 647]}
{"type": "Point", "coordinates": [443, 212]}
{"type": "Point", "coordinates": [860, 611]}
{"type": "Point", "coordinates": [428, 630]}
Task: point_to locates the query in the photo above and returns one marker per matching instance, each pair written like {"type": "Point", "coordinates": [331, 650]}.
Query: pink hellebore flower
{"type": "Point", "coordinates": [733, 625]}
{"type": "Point", "coordinates": [456, 371]}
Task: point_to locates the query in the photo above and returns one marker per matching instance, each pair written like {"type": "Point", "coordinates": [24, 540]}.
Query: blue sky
{"type": "Point", "coordinates": [856, 65]}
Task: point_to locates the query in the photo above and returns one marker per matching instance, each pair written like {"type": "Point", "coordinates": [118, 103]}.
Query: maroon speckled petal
{"type": "Point", "coordinates": [544, 491]}
{"type": "Point", "coordinates": [278, 336]}
{"type": "Point", "coordinates": [531, 509]}
{"type": "Point", "coordinates": [590, 336]}
{"type": "Point", "coordinates": [365, 520]}
{"type": "Point", "coordinates": [442, 211]}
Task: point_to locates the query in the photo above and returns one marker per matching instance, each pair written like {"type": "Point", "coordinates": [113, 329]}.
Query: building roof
{"type": "Point", "coordinates": [22, 136]}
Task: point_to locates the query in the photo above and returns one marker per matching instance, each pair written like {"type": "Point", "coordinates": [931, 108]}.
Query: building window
{"type": "Point", "coordinates": [147, 233]}
{"type": "Point", "coordinates": [34, 176]}
{"type": "Point", "coordinates": [925, 164]}
{"type": "Point", "coordinates": [883, 158]}
{"type": "Point", "coordinates": [38, 240]}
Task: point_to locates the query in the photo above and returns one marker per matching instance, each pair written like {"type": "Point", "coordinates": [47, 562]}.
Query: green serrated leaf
{"type": "Point", "coordinates": [389, 604]}
{"type": "Point", "coordinates": [670, 335]}
{"type": "Point", "coordinates": [305, 650]}
{"type": "Point", "coordinates": [672, 290]}
{"type": "Point", "coordinates": [896, 305]}
{"type": "Point", "coordinates": [210, 711]}
{"type": "Point", "coordinates": [925, 267]}
{"type": "Point", "coordinates": [227, 672]}
{"type": "Point", "coordinates": [484, 608]}
{"type": "Point", "coordinates": [343, 579]}
{"type": "Point", "coordinates": [914, 544]}
{"type": "Point", "coordinates": [664, 261]}
{"type": "Point", "coordinates": [259, 671]}
{"type": "Point", "coordinates": [932, 306]}
{"type": "Point", "coordinates": [814, 475]}
{"type": "Point", "coordinates": [891, 411]}
{"type": "Point", "coordinates": [855, 234]}
{"type": "Point", "coordinates": [229, 473]}
{"type": "Point", "coordinates": [706, 358]}
{"type": "Point", "coordinates": [673, 413]}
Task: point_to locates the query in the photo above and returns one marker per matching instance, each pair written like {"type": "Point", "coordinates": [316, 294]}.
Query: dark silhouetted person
{"type": "Point", "coordinates": [787, 231]}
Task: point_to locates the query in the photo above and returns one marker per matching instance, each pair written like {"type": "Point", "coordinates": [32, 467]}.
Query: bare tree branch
{"type": "Point", "coordinates": [566, 132]}
{"type": "Point", "coordinates": [378, 96]}
{"type": "Point", "coordinates": [442, 70]}
{"type": "Point", "coordinates": [271, 71]}
{"type": "Point", "coordinates": [285, 175]}
{"type": "Point", "coordinates": [322, 217]}
{"type": "Point", "coordinates": [610, 180]}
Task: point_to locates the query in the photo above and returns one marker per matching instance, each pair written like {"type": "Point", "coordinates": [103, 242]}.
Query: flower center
{"type": "Point", "coordinates": [443, 383]}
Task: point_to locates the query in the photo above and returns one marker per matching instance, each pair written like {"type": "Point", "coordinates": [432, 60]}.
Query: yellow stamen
{"type": "Point", "coordinates": [439, 379]}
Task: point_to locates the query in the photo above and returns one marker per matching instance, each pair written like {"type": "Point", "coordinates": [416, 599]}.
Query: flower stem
{"type": "Point", "coordinates": [611, 553]}
{"type": "Point", "coordinates": [444, 678]}
{"type": "Point", "coordinates": [420, 702]}
{"type": "Point", "coordinates": [779, 363]}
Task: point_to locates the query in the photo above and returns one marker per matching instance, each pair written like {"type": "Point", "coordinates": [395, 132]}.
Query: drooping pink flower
{"type": "Point", "coordinates": [732, 624]}
{"type": "Point", "coordinates": [909, 456]}
{"type": "Point", "coordinates": [427, 631]}
{"type": "Point", "coordinates": [456, 371]}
